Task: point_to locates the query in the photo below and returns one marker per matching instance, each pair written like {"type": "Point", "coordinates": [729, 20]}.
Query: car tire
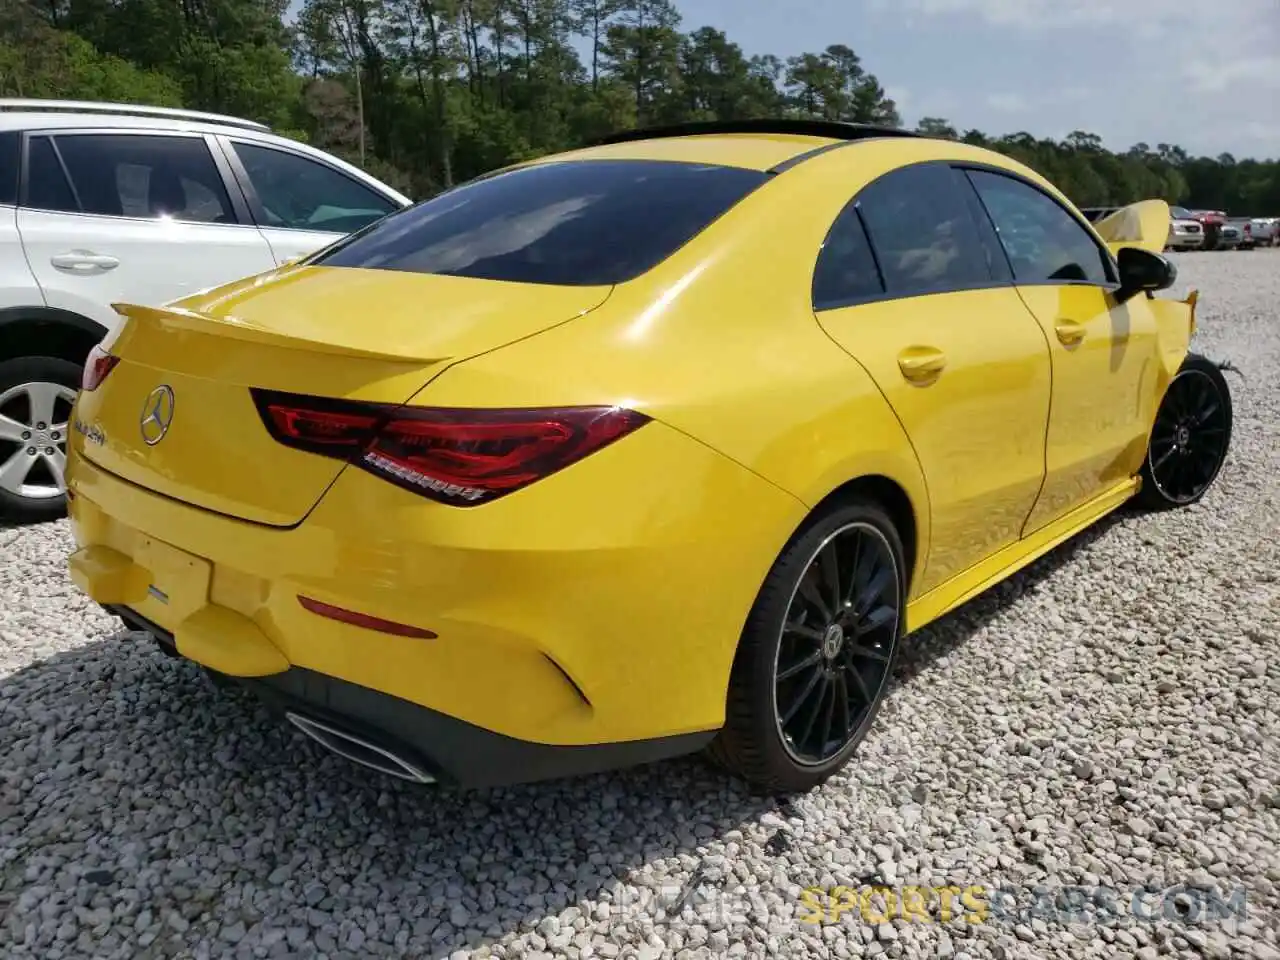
{"type": "Point", "coordinates": [1190, 438]}
{"type": "Point", "coordinates": [23, 382]}
{"type": "Point", "coordinates": [805, 660]}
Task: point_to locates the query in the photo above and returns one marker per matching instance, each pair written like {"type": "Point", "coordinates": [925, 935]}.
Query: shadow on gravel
{"type": "Point", "coordinates": [133, 773]}
{"type": "Point", "coordinates": [10, 523]}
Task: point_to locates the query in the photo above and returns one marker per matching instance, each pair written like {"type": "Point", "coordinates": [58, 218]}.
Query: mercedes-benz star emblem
{"type": "Point", "coordinates": [157, 414]}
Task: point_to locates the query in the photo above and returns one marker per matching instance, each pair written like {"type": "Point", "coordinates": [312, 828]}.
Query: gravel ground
{"type": "Point", "coordinates": [1101, 726]}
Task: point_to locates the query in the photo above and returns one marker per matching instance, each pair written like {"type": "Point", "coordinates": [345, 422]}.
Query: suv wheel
{"type": "Point", "coordinates": [36, 395]}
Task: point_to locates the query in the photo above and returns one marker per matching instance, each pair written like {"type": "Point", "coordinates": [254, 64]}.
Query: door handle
{"type": "Point", "coordinates": [83, 261]}
{"type": "Point", "coordinates": [921, 364]}
{"type": "Point", "coordinates": [1069, 332]}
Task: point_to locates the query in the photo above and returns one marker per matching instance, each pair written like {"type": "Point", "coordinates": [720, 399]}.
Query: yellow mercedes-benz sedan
{"type": "Point", "coordinates": [664, 444]}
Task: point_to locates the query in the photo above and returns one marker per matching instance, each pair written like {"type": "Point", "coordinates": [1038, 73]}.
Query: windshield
{"type": "Point", "coordinates": [571, 223]}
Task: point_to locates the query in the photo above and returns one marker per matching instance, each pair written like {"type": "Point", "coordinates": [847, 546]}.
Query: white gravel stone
{"type": "Point", "coordinates": [1106, 719]}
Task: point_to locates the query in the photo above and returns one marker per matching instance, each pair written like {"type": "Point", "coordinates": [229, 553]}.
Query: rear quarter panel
{"type": "Point", "coordinates": [721, 342]}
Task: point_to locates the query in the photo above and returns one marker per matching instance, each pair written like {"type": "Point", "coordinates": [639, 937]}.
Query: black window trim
{"type": "Point", "coordinates": [256, 211]}
{"type": "Point", "coordinates": [17, 180]}
{"type": "Point", "coordinates": [988, 235]}
{"type": "Point", "coordinates": [1112, 268]}
{"type": "Point", "coordinates": [993, 284]}
{"type": "Point", "coordinates": [886, 295]}
{"type": "Point", "coordinates": [238, 209]}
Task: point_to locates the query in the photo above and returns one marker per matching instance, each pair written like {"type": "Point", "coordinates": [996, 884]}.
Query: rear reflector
{"type": "Point", "coordinates": [331, 612]}
{"type": "Point", "coordinates": [96, 367]}
{"type": "Point", "coordinates": [461, 457]}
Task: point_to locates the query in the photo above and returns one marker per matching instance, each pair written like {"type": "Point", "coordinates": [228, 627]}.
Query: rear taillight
{"type": "Point", "coordinates": [96, 367]}
{"type": "Point", "coordinates": [461, 457]}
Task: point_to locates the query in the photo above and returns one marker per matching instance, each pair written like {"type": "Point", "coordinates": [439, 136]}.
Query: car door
{"type": "Point", "coordinates": [910, 286]}
{"type": "Point", "coordinates": [301, 203]}
{"type": "Point", "coordinates": [1103, 350]}
{"type": "Point", "coordinates": [130, 216]}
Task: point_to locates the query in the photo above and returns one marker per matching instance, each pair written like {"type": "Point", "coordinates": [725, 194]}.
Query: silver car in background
{"type": "Point", "coordinates": [1185, 232]}
{"type": "Point", "coordinates": [1235, 235]}
{"type": "Point", "coordinates": [1266, 231]}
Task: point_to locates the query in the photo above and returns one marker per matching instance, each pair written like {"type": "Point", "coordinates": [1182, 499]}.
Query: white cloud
{"type": "Point", "coordinates": [1206, 75]}
{"type": "Point", "coordinates": [1215, 74]}
{"type": "Point", "coordinates": [1136, 15]}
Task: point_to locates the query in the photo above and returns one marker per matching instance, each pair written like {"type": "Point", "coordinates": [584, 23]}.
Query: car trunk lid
{"type": "Point", "coordinates": [176, 415]}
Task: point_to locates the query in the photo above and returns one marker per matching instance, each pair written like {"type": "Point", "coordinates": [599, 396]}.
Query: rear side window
{"type": "Point", "coordinates": [846, 271]}
{"type": "Point", "coordinates": [144, 177]}
{"type": "Point", "coordinates": [924, 237]}
{"type": "Point", "coordinates": [1045, 244]}
{"type": "Point", "coordinates": [571, 223]}
{"type": "Point", "coordinates": [10, 144]}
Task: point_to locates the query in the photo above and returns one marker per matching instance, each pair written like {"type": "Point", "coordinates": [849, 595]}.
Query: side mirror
{"type": "Point", "coordinates": [1142, 271]}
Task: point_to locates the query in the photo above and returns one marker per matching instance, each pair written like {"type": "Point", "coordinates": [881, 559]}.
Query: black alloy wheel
{"type": "Point", "coordinates": [817, 653]}
{"type": "Point", "coordinates": [837, 642]}
{"type": "Point", "coordinates": [1190, 437]}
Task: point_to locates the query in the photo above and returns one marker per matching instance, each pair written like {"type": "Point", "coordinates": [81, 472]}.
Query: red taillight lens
{"type": "Point", "coordinates": [96, 367]}
{"type": "Point", "coordinates": [320, 430]}
{"type": "Point", "coordinates": [462, 457]}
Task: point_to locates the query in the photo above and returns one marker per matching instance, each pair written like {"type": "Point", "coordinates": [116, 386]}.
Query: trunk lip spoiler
{"type": "Point", "coordinates": [246, 331]}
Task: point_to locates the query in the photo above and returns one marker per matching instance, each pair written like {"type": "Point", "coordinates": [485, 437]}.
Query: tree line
{"type": "Point", "coordinates": [428, 93]}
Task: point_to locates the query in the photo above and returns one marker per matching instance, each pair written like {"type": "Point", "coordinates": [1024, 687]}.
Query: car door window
{"type": "Point", "coordinates": [1044, 243]}
{"type": "Point", "coordinates": [924, 237]}
{"type": "Point", "coordinates": [47, 186]}
{"type": "Point", "coordinates": [301, 194]}
{"type": "Point", "coordinates": [125, 175]}
{"type": "Point", "coordinates": [846, 271]}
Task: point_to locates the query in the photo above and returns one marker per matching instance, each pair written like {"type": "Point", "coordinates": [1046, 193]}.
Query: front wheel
{"type": "Point", "coordinates": [36, 395]}
{"type": "Point", "coordinates": [1190, 438]}
{"type": "Point", "coordinates": [817, 652]}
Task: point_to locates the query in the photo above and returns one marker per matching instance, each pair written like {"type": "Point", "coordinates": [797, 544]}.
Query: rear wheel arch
{"type": "Point", "coordinates": [895, 500]}
{"type": "Point", "coordinates": [47, 332]}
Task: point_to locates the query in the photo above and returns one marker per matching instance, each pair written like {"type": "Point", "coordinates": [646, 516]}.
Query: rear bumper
{"type": "Point", "coordinates": [595, 614]}
{"type": "Point", "coordinates": [452, 751]}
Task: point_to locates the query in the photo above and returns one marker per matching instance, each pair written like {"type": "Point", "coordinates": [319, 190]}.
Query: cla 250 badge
{"type": "Point", "coordinates": [91, 432]}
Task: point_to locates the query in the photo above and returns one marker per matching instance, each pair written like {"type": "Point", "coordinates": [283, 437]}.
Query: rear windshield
{"type": "Point", "coordinates": [572, 223]}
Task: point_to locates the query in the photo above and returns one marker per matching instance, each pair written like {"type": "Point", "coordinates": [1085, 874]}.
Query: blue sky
{"type": "Point", "coordinates": [1204, 74]}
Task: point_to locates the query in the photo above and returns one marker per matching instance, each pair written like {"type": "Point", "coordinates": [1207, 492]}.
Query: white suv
{"type": "Point", "coordinates": [104, 203]}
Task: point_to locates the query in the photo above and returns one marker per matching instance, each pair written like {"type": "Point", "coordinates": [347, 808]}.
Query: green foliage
{"type": "Point", "coordinates": [39, 61]}
{"type": "Point", "coordinates": [428, 93]}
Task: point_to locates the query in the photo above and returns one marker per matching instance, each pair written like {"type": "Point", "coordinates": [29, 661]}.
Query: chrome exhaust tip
{"type": "Point", "coordinates": [358, 750]}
